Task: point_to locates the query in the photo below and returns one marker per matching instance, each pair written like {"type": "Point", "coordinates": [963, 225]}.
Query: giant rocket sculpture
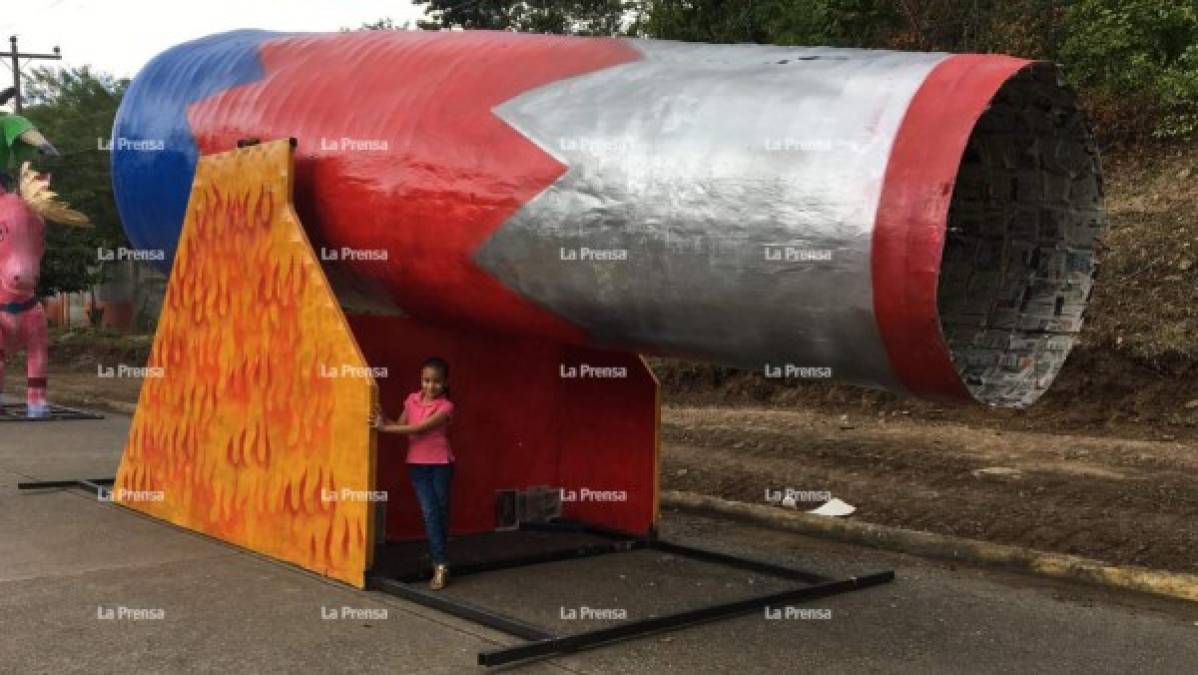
{"type": "Point", "coordinates": [923, 223]}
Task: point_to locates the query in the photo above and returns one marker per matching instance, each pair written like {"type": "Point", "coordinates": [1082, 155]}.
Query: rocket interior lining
{"type": "Point", "coordinates": [1019, 257]}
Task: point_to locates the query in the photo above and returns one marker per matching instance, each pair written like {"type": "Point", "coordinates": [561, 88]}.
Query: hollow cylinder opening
{"type": "Point", "coordinates": [1019, 257]}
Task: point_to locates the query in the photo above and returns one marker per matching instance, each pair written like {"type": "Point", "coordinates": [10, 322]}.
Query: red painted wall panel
{"type": "Point", "coordinates": [518, 423]}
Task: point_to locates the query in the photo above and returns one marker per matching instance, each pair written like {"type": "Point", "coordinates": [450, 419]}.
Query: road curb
{"type": "Point", "coordinates": [1030, 561]}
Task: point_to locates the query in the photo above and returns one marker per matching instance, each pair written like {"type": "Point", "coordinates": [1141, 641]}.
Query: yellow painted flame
{"type": "Point", "coordinates": [246, 436]}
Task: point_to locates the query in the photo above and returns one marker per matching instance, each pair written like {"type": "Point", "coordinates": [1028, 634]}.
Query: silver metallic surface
{"type": "Point", "coordinates": [719, 203]}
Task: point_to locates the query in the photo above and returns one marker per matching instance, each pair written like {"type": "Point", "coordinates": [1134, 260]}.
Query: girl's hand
{"type": "Point", "coordinates": [377, 420]}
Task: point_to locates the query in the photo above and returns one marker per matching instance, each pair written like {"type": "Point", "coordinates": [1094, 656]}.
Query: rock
{"type": "Point", "coordinates": [680, 472]}
{"type": "Point", "coordinates": [1190, 405]}
{"type": "Point", "coordinates": [1185, 265]}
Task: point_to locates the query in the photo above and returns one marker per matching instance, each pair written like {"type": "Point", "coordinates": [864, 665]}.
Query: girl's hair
{"type": "Point", "coordinates": [438, 363]}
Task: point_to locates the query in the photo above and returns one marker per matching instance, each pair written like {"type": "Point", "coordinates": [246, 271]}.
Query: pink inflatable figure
{"type": "Point", "coordinates": [23, 217]}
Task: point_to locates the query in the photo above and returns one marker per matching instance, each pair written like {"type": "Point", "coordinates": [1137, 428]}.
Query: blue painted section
{"type": "Point", "coordinates": [152, 185]}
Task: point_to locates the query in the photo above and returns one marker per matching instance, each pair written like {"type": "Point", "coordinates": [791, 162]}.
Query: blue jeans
{"type": "Point", "coordinates": [431, 483]}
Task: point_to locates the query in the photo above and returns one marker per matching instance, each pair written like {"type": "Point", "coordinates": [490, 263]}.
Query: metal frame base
{"type": "Point", "coordinates": [97, 486]}
{"type": "Point", "coordinates": [15, 412]}
{"type": "Point", "coordinates": [584, 551]}
{"type": "Point", "coordinates": [542, 642]}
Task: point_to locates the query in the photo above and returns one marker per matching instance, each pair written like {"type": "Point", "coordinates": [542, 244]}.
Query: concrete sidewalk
{"type": "Point", "coordinates": [67, 559]}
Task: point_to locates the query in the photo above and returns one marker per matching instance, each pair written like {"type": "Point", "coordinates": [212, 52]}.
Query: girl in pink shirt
{"type": "Point", "coordinates": [425, 419]}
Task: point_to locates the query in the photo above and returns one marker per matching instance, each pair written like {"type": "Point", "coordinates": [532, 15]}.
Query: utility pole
{"type": "Point", "coordinates": [16, 55]}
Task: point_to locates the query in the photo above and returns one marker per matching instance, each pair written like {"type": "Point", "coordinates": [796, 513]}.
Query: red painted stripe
{"type": "Point", "coordinates": [909, 230]}
{"type": "Point", "coordinates": [437, 172]}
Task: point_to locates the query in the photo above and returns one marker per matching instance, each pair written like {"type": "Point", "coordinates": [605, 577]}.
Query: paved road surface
{"type": "Point", "coordinates": [66, 558]}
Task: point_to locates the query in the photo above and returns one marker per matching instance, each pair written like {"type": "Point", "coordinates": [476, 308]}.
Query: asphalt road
{"type": "Point", "coordinates": [182, 602]}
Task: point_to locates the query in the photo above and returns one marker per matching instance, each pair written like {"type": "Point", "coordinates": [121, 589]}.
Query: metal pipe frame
{"type": "Point", "coordinates": [583, 551]}
{"type": "Point", "coordinates": [542, 642]}
{"type": "Point", "coordinates": [15, 412]}
{"type": "Point", "coordinates": [458, 608]}
{"type": "Point", "coordinates": [632, 629]}
{"type": "Point", "coordinates": [758, 566]}
{"type": "Point", "coordinates": [564, 525]}
{"type": "Point", "coordinates": [94, 485]}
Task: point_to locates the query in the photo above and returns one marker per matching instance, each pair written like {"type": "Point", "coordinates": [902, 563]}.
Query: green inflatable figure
{"type": "Point", "coordinates": [20, 141]}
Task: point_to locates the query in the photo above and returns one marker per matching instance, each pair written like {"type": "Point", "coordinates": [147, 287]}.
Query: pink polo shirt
{"type": "Point", "coordinates": [432, 446]}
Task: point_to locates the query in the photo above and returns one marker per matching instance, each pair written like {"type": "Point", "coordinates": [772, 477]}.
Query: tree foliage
{"type": "Point", "coordinates": [1031, 26]}
{"type": "Point", "coordinates": [567, 17]}
{"type": "Point", "coordinates": [74, 109]}
{"type": "Point", "coordinates": [385, 23]}
{"type": "Point", "coordinates": [1139, 57]}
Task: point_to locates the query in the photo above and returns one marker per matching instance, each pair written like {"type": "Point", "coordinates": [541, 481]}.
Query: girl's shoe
{"type": "Point", "coordinates": [440, 577]}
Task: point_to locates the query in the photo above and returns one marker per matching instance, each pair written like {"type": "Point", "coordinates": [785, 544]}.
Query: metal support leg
{"type": "Point", "coordinates": [582, 551]}
{"type": "Point", "coordinates": [94, 485]}
{"type": "Point", "coordinates": [15, 412]}
{"type": "Point", "coordinates": [692, 617]}
{"type": "Point", "coordinates": [458, 608]}
{"type": "Point", "coordinates": [543, 642]}
{"type": "Point", "coordinates": [758, 566]}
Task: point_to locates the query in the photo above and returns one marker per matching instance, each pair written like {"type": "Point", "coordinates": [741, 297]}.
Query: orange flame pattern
{"type": "Point", "coordinates": [257, 431]}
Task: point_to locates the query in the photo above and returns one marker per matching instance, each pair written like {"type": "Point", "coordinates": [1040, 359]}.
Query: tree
{"type": "Point", "coordinates": [924, 25]}
{"type": "Point", "coordinates": [566, 17]}
{"type": "Point", "coordinates": [1139, 57]}
{"type": "Point", "coordinates": [385, 23]}
{"type": "Point", "coordinates": [839, 23]}
{"type": "Point", "coordinates": [75, 109]}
